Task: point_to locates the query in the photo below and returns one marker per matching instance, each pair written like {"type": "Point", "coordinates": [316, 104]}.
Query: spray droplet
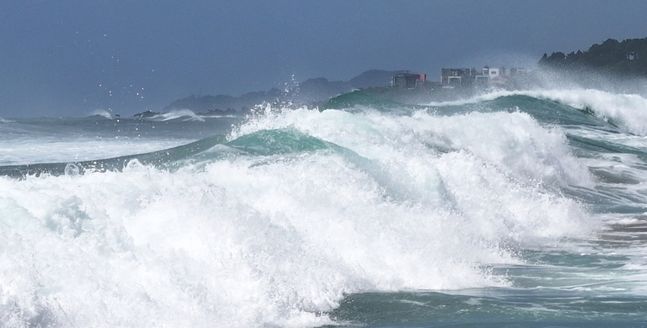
{"type": "Point", "coordinates": [72, 169]}
{"type": "Point", "coordinates": [134, 164]}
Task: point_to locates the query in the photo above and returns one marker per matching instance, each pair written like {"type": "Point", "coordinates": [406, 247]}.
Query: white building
{"type": "Point", "coordinates": [492, 72]}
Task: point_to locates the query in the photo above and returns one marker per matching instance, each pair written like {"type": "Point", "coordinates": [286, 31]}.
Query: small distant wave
{"type": "Point", "coordinates": [218, 116]}
{"type": "Point", "coordinates": [2, 120]}
{"type": "Point", "coordinates": [103, 113]}
{"type": "Point", "coordinates": [183, 114]}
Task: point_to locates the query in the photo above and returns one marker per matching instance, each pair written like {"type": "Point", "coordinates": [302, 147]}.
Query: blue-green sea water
{"type": "Point", "coordinates": [510, 209]}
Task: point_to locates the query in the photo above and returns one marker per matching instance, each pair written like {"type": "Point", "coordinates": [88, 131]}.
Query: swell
{"type": "Point", "coordinates": [545, 106]}
{"type": "Point", "coordinates": [544, 110]}
{"type": "Point", "coordinates": [589, 107]}
{"type": "Point", "coordinates": [368, 99]}
{"type": "Point", "coordinates": [626, 112]}
{"type": "Point", "coordinates": [260, 143]}
{"type": "Point", "coordinates": [157, 158]}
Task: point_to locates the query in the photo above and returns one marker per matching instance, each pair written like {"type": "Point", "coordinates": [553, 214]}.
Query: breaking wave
{"type": "Point", "coordinates": [275, 223]}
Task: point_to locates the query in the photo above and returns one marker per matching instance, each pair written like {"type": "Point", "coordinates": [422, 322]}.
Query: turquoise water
{"type": "Point", "coordinates": [510, 209]}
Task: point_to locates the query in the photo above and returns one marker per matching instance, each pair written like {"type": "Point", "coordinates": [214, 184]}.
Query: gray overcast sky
{"type": "Point", "coordinates": [70, 57]}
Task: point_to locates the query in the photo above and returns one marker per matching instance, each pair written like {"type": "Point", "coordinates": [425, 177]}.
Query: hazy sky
{"type": "Point", "coordinates": [70, 57]}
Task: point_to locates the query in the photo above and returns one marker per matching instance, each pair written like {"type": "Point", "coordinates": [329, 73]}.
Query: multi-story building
{"type": "Point", "coordinates": [407, 80]}
{"type": "Point", "coordinates": [457, 77]}
{"type": "Point", "coordinates": [471, 77]}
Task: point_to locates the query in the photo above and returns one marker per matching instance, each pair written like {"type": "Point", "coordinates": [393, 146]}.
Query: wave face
{"type": "Point", "coordinates": [295, 212]}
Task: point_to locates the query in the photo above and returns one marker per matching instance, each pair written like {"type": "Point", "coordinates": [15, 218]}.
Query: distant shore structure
{"type": "Point", "coordinates": [461, 77]}
{"type": "Point", "coordinates": [408, 80]}
{"type": "Point", "coordinates": [471, 77]}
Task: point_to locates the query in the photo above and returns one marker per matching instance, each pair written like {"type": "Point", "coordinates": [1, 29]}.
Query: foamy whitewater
{"type": "Point", "coordinates": [513, 208]}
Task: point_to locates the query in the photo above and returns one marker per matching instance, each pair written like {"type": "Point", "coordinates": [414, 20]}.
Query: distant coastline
{"type": "Point", "coordinates": [611, 58]}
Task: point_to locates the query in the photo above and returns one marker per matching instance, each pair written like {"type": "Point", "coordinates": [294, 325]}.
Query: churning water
{"type": "Point", "coordinates": [509, 209]}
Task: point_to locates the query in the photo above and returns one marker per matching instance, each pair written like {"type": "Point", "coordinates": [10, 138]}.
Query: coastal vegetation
{"type": "Point", "coordinates": [624, 58]}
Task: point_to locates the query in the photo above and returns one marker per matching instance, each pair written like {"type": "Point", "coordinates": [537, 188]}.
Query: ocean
{"type": "Point", "coordinates": [507, 209]}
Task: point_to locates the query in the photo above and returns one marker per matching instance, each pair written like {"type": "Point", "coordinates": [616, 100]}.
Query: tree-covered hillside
{"type": "Point", "coordinates": [628, 57]}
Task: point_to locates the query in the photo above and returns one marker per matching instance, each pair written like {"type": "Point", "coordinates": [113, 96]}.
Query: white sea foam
{"type": "Point", "coordinates": [629, 110]}
{"type": "Point", "coordinates": [246, 241]}
{"type": "Point", "coordinates": [48, 150]}
{"type": "Point", "coordinates": [3, 120]}
{"type": "Point", "coordinates": [514, 142]}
